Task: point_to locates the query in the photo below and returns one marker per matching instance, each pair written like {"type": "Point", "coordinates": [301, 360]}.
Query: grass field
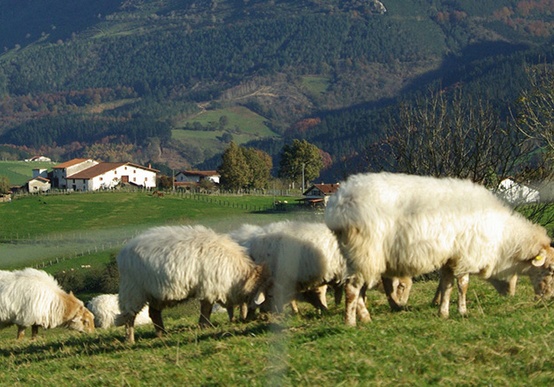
{"type": "Point", "coordinates": [503, 342]}
{"type": "Point", "coordinates": [241, 117]}
{"type": "Point", "coordinates": [18, 172]}
{"type": "Point", "coordinates": [48, 227]}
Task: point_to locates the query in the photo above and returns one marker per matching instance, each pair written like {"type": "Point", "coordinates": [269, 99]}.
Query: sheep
{"type": "Point", "coordinates": [305, 258]}
{"type": "Point", "coordinates": [401, 225]}
{"type": "Point", "coordinates": [31, 297]}
{"type": "Point", "coordinates": [170, 264]}
{"type": "Point", "coordinates": [105, 309]}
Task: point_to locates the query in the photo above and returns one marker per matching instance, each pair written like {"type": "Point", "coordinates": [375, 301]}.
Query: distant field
{"type": "Point", "coordinates": [241, 117]}
{"type": "Point", "coordinates": [18, 172]}
{"type": "Point", "coordinates": [41, 228]}
{"type": "Point", "coordinates": [316, 85]}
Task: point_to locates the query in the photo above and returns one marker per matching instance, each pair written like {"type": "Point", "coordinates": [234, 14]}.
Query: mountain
{"type": "Point", "coordinates": [172, 82]}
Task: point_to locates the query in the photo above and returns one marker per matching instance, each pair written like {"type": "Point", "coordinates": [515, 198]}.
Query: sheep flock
{"type": "Point", "coordinates": [378, 229]}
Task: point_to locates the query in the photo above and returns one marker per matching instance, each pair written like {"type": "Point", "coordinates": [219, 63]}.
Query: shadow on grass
{"type": "Point", "coordinates": [113, 340]}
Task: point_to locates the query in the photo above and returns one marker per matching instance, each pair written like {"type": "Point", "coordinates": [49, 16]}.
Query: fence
{"type": "Point", "coordinates": [78, 244]}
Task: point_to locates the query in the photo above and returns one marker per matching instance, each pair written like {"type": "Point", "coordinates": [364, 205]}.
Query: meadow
{"type": "Point", "coordinates": [19, 172]}
{"type": "Point", "coordinates": [504, 340]}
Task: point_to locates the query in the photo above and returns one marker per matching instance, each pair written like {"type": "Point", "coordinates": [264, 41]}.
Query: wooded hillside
{"type": "Point", "coordinates": [134, 79]}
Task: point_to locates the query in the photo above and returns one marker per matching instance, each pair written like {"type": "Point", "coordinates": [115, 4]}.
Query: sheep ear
{"type": "Point", "coordinates": [260, 298]}
{"type": "Point", "coordinates": [538, 260]}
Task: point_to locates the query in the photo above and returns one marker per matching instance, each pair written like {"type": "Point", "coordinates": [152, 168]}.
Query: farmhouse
{"type": "Point", "coordinates": [318, 194]}
{"type": "Point", "coordinates": [38, 184]}
{"type": "Point", "coordinates": [109, 175]}
{"type": "Point", "coordinates": [39, 158]}
{"type": "Point", "coordinates": [197, 176]}
{"type": "Point", "coordinates": [71, 167]}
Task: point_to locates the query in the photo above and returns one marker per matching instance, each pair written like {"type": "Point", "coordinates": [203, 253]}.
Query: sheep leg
{"type": "Point", "coordinates": [156, 317]}
{"type": "Point", "coordinates": [338, 290]}
{"type": "Point", "coordinates": [512, 285]}
{"type": "Point", "coordinates": [390, 285]}
{"type": "Point", "coordinates": [403, 290]}
{"type": "Point", "coordinates": [20, 332]}
{"type": "Point", "coordinates": [446, 284]}
{"type": "Point", "coordinates": [294, 307]}
{"type": "Point", "coordinates": [230, 313]}
{"type": "Point", "coordinates": [34, 331]}
{"type": "Point", "coordinates": [463, 284]}
{"type": "Point", "coordinates": [352, 293]}
{"type": "Point", "coordinates": [205, 313]}
{"type": "Point", "coordinates": [361, 309]}
{"type": "Point", "coordinates": [130, 329]}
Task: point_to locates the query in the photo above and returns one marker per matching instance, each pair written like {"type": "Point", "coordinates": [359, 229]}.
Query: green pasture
{"type": "Point", "coordinates": [246, 120]}
{"type": "Point", "coordinates": [315, 84]}
{"type": "Point", "coordinates": [18, 172]}
{"type": "Point", "coordinates": [51, 228]}
{"type": "Point", "coordinates": [503, 342]}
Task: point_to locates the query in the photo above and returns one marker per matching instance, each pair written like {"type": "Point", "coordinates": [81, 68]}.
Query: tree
{"type": "Point", "coordinates": [449, 134]}
{"type": "Point", "coordinates": [300, 159]}
{"type": "Point", "coordinates": [4, 185]}
{"type": "Point", "coordinates": [244, 168]}
{"type": "Point", "coordinates": [260, 164]}
{"type": "Point", "coordinates": [234, 170]}
{"type": "Point", "coordinates": [535, 116]}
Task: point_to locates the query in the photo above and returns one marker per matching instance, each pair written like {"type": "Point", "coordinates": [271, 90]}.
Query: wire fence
{"type": "Point", "coordinates": [81, 243]}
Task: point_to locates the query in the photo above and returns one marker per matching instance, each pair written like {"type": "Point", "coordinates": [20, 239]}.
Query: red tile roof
{"type": "Point", "coordinates": [326, 189]}
{"type": "Point", "coordinates": [95, 170]}
{"type": "Point", "coordinates": [69, 163]}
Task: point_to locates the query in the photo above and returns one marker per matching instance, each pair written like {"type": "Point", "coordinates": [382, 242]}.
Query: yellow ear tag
{"type": "Point", "coordinates": [538, 261]}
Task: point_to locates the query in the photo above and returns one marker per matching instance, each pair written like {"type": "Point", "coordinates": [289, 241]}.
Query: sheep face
{"type": "Point", "coordinates": [83, 321]}
{"type": "Point", "coordinates": [76, 316]}
{"type": "Point", "coordinates": [258, 285]}
{"type": "Point", "coordinates": [541, 273]}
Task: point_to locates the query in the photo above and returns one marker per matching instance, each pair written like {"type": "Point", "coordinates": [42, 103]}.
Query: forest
{"type": "Point", "coordinates": [134, 72]}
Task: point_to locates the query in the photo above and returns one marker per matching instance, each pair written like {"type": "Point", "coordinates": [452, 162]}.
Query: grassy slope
{"type": "Point", "coordinates": [43, 228]}
{"type": "Point", "coordinates": [503, 342]}
{"type": "Point", "coordinates": [19, 172]}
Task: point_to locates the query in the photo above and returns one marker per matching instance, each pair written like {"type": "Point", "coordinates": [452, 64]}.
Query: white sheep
{"type": "Point", "coordinates": [31, 297]}
{"type": "Point", "coordinates": [167, 265]}
{"type": "Point", "coordinates": [304, 257]}
{"type": "Point", "coordinates": [105, 309]}
{"type": "Point", "coordinates": [400, 225]}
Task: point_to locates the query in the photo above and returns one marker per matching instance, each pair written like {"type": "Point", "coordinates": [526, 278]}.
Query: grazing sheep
{"type": "Point", "coordinates": [105, 309]}
{"type": "Point", "coordinates": [167, 265]}
{"type": "Point", "coordinates": [33, 298]}
{"type": "Point", "coordinates": [303, 258]}
{"type": "Point", "coordinates": [400, 225]}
